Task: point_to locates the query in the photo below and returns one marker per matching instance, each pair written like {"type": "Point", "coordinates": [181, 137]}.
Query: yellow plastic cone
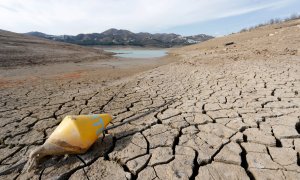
{"type": "Point", "coordinates": [74, 135]}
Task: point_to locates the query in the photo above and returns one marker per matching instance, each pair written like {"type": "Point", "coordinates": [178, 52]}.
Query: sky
{"type": "Point", "coordinates": [185, 17]}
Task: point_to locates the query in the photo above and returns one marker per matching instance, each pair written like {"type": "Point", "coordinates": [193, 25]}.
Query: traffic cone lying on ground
{"type": "Point", "coordinates": [74, 135]}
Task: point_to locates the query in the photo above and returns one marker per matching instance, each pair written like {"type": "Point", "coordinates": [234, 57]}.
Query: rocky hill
{"type": "Point", "coordinates": [125, 37]}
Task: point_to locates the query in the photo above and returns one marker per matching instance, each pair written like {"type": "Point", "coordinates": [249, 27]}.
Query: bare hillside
{"type": "Point", "coordinates": [18, 50]}
{"type": "Point", "coordinates": [267, 42]}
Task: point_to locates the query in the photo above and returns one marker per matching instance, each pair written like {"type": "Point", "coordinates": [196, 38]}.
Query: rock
{"type": "Point", "coordinates": [102, 169]}
{"type": "Point", "coordinates": [229, 43]}
{"type": "Point", "coordinates": [256, 136]}
{"type": "Point", "coordinates": [261, 161]}
{"type": "Point", "coordinates": [161, 155]}
{"type": "Point", "coordinates": [137, 164]}
{"type": "Point", "coordinates": [230, 154]}
{"type": "Point", "coordinates": [129, 148]}
{"type": "Point", "coordinates": [220, 171]}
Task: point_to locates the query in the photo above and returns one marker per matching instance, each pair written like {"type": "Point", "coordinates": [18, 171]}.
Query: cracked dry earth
{"type": "Point", "coordinates": [199, 118]}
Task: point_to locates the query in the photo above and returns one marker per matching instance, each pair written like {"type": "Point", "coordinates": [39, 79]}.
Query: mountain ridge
{"type": "Point", "coordinates": [125, 37]}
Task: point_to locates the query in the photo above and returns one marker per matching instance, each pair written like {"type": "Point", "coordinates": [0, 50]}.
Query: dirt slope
{"type": "Point", "coordinates": [265, 42]}
{"type": "Point", "coordinates": [18, 50]}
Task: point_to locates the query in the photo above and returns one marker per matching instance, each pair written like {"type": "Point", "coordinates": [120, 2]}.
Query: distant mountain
{"type": "Point", "coordinates": [125, 37]}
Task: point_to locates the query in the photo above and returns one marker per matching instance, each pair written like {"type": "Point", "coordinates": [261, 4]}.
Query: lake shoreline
{"type": "Point", "coordinates": [103, 69]}
{"type": "Point", "coordinates": [138, 53]}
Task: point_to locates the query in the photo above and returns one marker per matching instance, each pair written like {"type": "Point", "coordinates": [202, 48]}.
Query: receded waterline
{"type": "Point", "coordinates": [138, 53]}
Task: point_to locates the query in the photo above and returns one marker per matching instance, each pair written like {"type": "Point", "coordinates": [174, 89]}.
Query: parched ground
{"type": "Point", "coordinates": [221, 112]}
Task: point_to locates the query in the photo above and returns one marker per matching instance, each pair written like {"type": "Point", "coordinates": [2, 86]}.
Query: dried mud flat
{"type": "Point", "coordinates": [220, 112]}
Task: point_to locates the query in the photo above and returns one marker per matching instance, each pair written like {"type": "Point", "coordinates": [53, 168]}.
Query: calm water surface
{"type": "Point", "coordinates": [137, 53]}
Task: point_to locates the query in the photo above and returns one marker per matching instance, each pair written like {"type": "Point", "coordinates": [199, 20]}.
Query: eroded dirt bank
{"type": "Point", "coordinates": [221, 112]}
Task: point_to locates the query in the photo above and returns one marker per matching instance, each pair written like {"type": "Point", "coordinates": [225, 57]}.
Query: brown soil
{"type": "Point", "coordinates": [19, 50]}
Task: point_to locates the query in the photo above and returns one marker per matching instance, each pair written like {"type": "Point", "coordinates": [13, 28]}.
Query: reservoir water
{"type": "Point", "coordinates": [138, 53]}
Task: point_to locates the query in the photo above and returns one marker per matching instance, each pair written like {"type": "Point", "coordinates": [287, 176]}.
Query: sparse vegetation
{"type": "Point", "coordinates": [272, 21]}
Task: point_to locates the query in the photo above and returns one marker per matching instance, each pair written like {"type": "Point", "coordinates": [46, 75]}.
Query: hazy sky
{"type": "Point", "coordinates": [214, 17]}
